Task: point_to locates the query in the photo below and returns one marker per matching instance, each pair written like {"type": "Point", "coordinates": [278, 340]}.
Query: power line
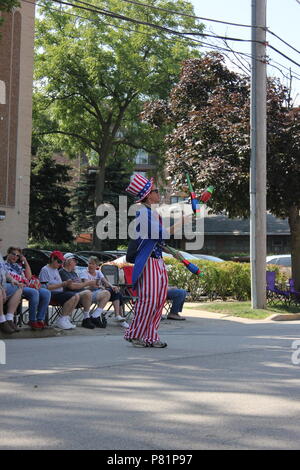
{"type": "Point", "coordinates": [187, 15]}
{"type": "Point", "coordinates": [109, 13]}
{"type": "Point", "coordinates": [282, 40]}
{"type": "Point", "coordinates": [92, 8]}
{"type": "Point", "coordinates": [181, 35]}
{"type": "Point", "coordinates": [168, 30]}
{"type": "Point", "coordinates": [126, 18]}
{"type": "Point", "coordinates": [283, 55]}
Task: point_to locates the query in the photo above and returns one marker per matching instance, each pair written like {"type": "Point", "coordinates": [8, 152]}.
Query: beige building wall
{"type": "Point", "coordinates": [16, 78]}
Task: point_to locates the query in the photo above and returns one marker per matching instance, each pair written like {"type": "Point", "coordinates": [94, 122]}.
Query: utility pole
{"type": "Point", "coordinates": [258, 248]}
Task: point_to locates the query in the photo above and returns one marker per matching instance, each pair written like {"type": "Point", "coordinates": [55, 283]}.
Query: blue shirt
{"type": "Point", "coordinates": [149, 227]}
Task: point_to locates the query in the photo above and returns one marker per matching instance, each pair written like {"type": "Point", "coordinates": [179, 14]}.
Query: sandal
{"type": "Point", "coordinates": [175, 316]}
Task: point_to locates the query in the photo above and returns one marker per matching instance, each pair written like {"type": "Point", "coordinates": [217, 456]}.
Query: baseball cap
{"type": "Point", "coordinates": [57, 254]}
{"type": "Point", "coordinates": [69, 256]}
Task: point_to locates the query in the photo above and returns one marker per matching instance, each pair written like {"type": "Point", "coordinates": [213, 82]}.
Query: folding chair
{"type": "Point", "coordinates": [111, 274]}
{"type": "Point", "coordinates": [132, 294]}
{"type": "Point", "coordinates": [129, 294]}
{"type": "Point", "coordinates": [54, 311]}
{"type": "Point", "coordinates": [275, 296]}
{"type": "Point", "coordinates": [294, 294]}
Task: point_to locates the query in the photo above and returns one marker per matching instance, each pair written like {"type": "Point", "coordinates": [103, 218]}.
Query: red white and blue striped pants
{"type": "Point", "coordinates": [152, 292]}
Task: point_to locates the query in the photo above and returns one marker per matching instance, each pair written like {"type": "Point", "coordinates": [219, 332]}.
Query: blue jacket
{"type": "Point", "coordinates": [149, 235]}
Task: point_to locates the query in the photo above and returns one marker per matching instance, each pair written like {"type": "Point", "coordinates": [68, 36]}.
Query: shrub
{"type": "Point", "coordinates": [219, 280]}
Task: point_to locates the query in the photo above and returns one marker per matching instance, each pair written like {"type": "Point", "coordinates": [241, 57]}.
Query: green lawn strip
{"type": "Point", "coordinates": [242, 309]}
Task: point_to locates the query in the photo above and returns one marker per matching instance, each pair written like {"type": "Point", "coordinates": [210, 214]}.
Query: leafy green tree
{"type": "Point", "coordinates": [209, 109]}
{"type": "Point", "coordinates": [93, 73]}
{"type": "Point", "coordinates": [117, 176]}
{"type": "Point", "coordinates": [49, 215]}
{"type": "Point", "coordinates": [7, 6]}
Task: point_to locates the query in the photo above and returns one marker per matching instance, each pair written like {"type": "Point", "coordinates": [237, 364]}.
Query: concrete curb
{"type": "Point", "coordinates": [26, 332]}
{"type": "Point", "coordinates": [286, 317]}
{"type": "Point", "coordinates": [114, 329]}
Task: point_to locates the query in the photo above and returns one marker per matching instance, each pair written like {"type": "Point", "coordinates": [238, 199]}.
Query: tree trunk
{"type": "Point", "coordinates": [294, 222]}
{"type": "Point", "coordinates": [99, 192]}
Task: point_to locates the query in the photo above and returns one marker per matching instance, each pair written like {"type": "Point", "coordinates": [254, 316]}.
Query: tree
{"type": "Point", "coordinates": [7, 6]}
{"type": "Point", "coordinates": [93, 74]}
{"type": "Point", "coordinates": [209, 109]}
{"type": "Point", "coordinates": [49, 215]}
{"type": "Point", "coordinates": [117, 176]}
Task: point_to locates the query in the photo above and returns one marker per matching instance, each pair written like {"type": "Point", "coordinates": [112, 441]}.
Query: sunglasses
{"type": "Point", "coordinates": [14, 254]}
{"type": "Point", "coordinates": [154, 191]}
{"type": "Point", "coordinates": [59, 261]}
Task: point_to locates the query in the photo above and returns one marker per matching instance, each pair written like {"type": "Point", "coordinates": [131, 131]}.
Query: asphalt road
{"type": "Point", "coordinates": [220, 384]}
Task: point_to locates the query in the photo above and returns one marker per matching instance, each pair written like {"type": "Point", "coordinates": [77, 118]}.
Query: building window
{"type": "Point", "coordinates": [142, 158]}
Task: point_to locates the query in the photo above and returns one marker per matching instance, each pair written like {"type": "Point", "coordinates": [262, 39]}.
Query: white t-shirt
{"type": "Point", "coordinates": [51, 276]}
{"type": "Point", "coordinates": [86, 276]}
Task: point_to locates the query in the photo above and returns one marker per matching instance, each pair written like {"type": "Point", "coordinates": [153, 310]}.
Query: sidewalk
{"type": "Point", "coordinates": [114, 329]}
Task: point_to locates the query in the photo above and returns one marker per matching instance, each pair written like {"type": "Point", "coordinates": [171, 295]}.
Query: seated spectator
{"type": "Point", "coordinates": [82, 288]}
{"type": "Point", "coordinates": [178, 298]}
{"type": "Point", "coordinates": [39, 297]}
{"type": "Point", "coordinates": [102, 286]}
{"type": "Point", "coordinates": [49, 276]}
{"type": "Point", "coordinates": [10, 294]}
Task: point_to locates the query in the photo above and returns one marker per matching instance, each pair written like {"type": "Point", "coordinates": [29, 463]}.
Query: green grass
{"type": "Point", "coordinates": [243, 309]}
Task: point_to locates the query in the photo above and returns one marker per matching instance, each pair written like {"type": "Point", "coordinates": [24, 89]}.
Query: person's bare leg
{"type": "Point", "coordinates": [14, 300]}
{"type": "Point", "coordinates": [116, 305]}
{"type": "Point", "coordinates": [70, 305]}
{"type": "Point", "coordinates": [102, 298]}
{"type": "Point", "coordinates": [86, 300]}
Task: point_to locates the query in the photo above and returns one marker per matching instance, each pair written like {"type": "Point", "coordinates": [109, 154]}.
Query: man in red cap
{"type": "Point", "coordinates": [50, 277]}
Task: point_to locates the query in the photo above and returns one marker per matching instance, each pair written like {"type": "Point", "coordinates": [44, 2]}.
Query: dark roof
{"type": "Point", "coordinates": [222, 225]}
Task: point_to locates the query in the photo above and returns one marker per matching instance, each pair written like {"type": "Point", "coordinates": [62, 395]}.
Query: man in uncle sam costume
{"type": "Point", "coordinates": [149, 273]}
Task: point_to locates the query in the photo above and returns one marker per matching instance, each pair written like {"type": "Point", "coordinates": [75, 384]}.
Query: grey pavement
{"type": "Point", "coordinates": [222, 383]}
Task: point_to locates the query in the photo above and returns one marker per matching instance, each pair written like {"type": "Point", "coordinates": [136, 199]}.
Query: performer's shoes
{"type": "Point", "coordinates": [158, 344]}
{"type": "Point", "coordinates": [139, 343]}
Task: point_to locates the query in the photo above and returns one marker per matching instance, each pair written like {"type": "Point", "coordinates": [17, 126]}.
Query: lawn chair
{"type": "Point", "coordinates": [275, 296]}
{"type": "Point", "coordinates": [112, 274]}
{"type": "Point", "coordinates": [294, 294]}
{"type": "Point", "coordinates": [128, 292]}
{"type": "Point", "coordinates": [132, 294]}
{"type": "Point", "coordinates": [54, 311]}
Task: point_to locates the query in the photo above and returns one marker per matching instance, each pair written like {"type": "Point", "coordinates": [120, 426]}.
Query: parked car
{"type": "Point", "coordinates": [39, 258]}
{"type": "Point", "coordinates": [209, 258]}
{"type": "Point", "coordinates": [103, 256]}
{"type": "Point", "coordinates": [36, 259]}
{"type": "Point", "coordinates": [281, 260]}
{"type": "Point", "coordinates": [81, 261]}
{"type": "Point", "coordinates": [190, 256]}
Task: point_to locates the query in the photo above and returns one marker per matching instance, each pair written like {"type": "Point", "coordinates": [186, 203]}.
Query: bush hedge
{"type": "Point", "coordinates": [218, 280]}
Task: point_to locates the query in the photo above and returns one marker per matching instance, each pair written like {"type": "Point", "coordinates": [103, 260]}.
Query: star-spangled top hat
{"type": "Point", "coordinates": [140, 187]}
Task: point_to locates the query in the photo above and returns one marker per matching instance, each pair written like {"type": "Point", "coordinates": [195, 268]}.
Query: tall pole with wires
{"type": "Point", "coordinates": [258, 156]}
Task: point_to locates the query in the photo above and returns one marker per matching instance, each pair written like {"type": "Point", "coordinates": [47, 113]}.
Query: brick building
{"type": "Point", "coordinates": [16, 70]}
